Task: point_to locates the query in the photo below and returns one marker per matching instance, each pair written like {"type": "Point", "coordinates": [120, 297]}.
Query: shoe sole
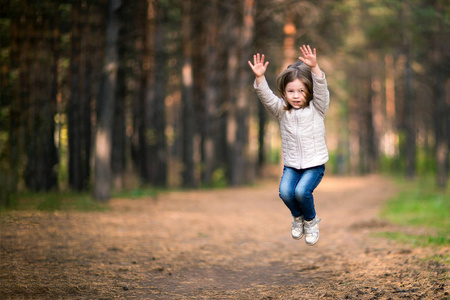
{"type": "Point", "coordinates": [297, 238]}
{"type": "Point", "coordinates": [312, 244]}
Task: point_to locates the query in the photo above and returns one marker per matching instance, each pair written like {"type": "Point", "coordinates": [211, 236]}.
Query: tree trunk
{"type": "Point", "coordinates": [155, 101]}
{"type": "Point", "coordinates": [160, 173]}
{"type": "Point", "coordinates": [210, 127]}
{"type": "Point", "coordinates": [262, 26]}
{"type": "Point", "coordinates": [9, 175]}
{"type": "Point", "coordinates": [103, 139]}
{"type": "Point", "coordinates": [390, 145]}
{"type": "Point", "coordinates": [119, 136]}
{"type": "Point", "coordinates": [187, 98]}
{"type": "Point", "coordinates": [79, 107]}
{"type": "Point", "coordinates": [289, 38]}
{"type": "Point", "coordinates": [409, 101]}
{"type": "Point", "coordinates": [41, 150]}
{"type": "Point", "coordinates": [138, 142]}
{"type": "Point", "coordinates": [376, 109]}
{"type": "Point", "coordinates": [409, 110]}
{"type": "Point", "coordinates": [86, 89]}
{"type": "Point", "coordinates": [441, 110]}
{"type": "Point", "coordinates": [241, 166]}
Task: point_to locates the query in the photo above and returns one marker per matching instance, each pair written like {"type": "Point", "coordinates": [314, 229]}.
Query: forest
{"type": "Point", "coordinates": [103, 94]}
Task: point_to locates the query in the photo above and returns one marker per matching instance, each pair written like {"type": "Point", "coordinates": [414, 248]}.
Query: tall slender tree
{"type": "Point", "coordinates": [79, 105]}
{"type": "Point", "coordinates": [41, 151]}
{"type": "Point", "coordinates": [105, 108]}
{"type": "Point", "coordinates": [156, 101]}
{"type": "Point", "coordinates": [408, 97]}
{"type": "Point", "coordinates": [187, 98]}
{"type": "Point", "coordinates": [240, 162]}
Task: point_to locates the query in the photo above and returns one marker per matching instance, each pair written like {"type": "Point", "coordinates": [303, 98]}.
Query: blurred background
{"type": "Point", "coordinates": [101, 96]}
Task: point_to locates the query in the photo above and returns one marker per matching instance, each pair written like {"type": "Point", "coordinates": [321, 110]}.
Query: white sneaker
{"type": "Point", "coordinates": [312, 231]}
{"type": "Point", "coordinates": [297, 228]}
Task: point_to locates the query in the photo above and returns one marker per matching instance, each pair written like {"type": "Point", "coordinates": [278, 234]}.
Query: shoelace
{"type": "Point", "coordinates": [310, 227]}
{"type": "Point", "coordinates": [297, 225]}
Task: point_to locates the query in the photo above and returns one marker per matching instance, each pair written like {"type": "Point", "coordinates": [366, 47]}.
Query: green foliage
{"type": "Point", "coordinates": [58, 201]}
{"type": "Point", "coordinates": [417, 240]}
{"type": "Point", "coordinates": [274, 156]}
{"type": "Point", "coordinates": [72, 201]}
{"type": "Point", "coordinates": [439, 258]}
{"type": "Point", "coordinates": [219, 178]}
{"type": "Point", "coordinates": [391, 165]}
{"type": "Point", "coordinates": [420, 205]}
{"type": "Point", "coordinates": [337, 163]}
{"type": "Point", "coordinates": [425, 163]}
{"type": "Point", "coordinates": [135, 193]}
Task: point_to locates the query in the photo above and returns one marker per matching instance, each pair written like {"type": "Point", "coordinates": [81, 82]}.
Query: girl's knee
{"type": "Point", "coordinates": [301, 195]}
{"type": "Point", "coordinates": [285, 195]}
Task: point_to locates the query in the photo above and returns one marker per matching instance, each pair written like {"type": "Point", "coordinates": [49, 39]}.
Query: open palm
{"type": "Point", "coordinates": [309, 56]}
{"type": "Point", "coordinates": [258, 66]}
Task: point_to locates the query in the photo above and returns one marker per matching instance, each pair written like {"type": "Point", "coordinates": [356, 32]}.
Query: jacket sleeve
{"type": "Point", "coordinates": [321, 99]}
{"type": "Point", "coordinates": [270, 101]}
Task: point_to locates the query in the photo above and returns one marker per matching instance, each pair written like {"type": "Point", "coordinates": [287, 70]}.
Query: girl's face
{"type": "Point", "coordinates": [295, 94]}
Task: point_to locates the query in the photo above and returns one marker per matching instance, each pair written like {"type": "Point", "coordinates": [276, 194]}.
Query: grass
{"type": "Point", "coordinates": [418, 205]}
{"type": "Point", "coordinates": [72, 201]}
{"type": "Point", "coordinates": [58, 201]}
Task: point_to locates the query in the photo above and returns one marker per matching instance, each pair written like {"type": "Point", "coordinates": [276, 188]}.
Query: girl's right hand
{"type": "Point", "coordinates": [258, 66]}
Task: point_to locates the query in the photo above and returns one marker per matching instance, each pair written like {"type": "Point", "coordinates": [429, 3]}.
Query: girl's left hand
{"type": "Point", "coordinates": [309, 57]}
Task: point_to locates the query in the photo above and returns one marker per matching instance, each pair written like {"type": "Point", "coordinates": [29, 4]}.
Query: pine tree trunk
{"type": "Point", "coordinates": [441, 110]}
{"type": "Point", "coordinates": [9, 175]}
{"type": "Point", "coordinates": [155, 99]}
{"type": "Point", "coordinates": [87, 79]}
{"type": "Point", "coordinates": [41, 150]}
{"type": "Point", "coordinates": [390, 134]}
{"type": "Point", "coordinates": [187, 98]}
{"type": "Point", "coordinates": [409, 101]}
{"type": "Point", "coordinates": [160, 171]}
{"type": "Point", "coordinates": [79, 107]}
{"type": "Point", "coordinates": [240, 172]}
{"type": "Point", "coordinates": [103, 139]}
{"type": "Point", "coordinates": [119, 136]}
{"type": "Point", "coordinates": [211, 97]}
{"type": "Point", "coordinates": [138, 143]}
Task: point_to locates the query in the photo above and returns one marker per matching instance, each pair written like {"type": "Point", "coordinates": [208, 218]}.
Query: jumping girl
{"type": "Point", "coordinates": [301, 113]}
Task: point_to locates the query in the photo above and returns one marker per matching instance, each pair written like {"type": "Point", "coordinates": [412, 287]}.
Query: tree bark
{"type": "Point", "coordinates": [155, 102]}
{"type": "Point", "coordinates": [79, 106]}
{"type": "Point", "coordinates": [409, 101]}
{"type": "Point", "coordinates": [119, 136]}
{"type": "Point", "coordinates": [441, 112]}
{"type": "Point", "coordinates": [187, 99]}
{"type": "Point", "coordinates": [103, 139]}
{"type": "Point", "coordinates": [241, 172]}
{"type": "Point", "coordinates": [42, 155]}
{"type": "Point", "coordinates": [160, 174]}
{"type": "Point", "coordinates": [210, 127]}
{"type": "Point", "coordinates": [139, 143]}
{"type": "Point", "coordinates": [9, 175]}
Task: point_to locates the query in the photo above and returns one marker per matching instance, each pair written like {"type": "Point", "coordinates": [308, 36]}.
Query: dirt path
{"type": "Point", "coordinates": [220, 244]}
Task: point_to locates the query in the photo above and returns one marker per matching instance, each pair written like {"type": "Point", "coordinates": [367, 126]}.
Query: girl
{"type": "Point", "coordinates": [301, 112]}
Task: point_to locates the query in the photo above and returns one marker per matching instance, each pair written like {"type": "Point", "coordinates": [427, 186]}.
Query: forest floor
{"type": "Point", "coordinates": [229, 243]}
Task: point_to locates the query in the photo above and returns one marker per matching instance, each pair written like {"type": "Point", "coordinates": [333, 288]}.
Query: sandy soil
{"type": "Point", "coordinates": [218, 244]}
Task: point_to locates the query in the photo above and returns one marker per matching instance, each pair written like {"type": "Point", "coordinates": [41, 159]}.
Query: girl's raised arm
{"type": "Point", "coordinates": [258, 67]}
{"type": "Point", "coordinates": [310, 59]}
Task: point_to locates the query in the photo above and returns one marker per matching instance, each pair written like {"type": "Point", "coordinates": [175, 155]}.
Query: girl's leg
{"type": "Point", "coordinates": [309, 180]}
{"type": "Point", "coordinates": [288, 183]}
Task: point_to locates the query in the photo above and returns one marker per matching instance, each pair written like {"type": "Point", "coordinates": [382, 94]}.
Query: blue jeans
{"type": "Point", "coordinates": [296, 188]}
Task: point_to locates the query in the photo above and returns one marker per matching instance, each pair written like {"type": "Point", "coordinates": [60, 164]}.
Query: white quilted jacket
{"type": "Point", "coordinates": [302, 130]}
